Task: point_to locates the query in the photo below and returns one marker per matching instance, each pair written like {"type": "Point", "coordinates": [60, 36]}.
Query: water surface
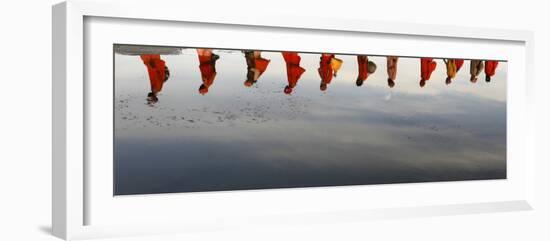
{"type": "Point", "coordinates": [238, 137]}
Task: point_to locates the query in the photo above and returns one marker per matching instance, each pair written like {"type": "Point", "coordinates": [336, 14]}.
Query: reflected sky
{"type": "Point", "coordinates": [237, 137]}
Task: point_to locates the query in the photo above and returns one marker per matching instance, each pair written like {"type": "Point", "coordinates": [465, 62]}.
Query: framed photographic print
{"type": "Point", "coordinates": [167, 122]}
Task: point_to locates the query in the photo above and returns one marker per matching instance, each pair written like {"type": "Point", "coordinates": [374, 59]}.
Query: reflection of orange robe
{"type": "Point", "coordinates": [451, 68]}
{"type": "Point", "coordinates": [325, 68]}
{"type": "Point", "coordinates": [490, 67]}
{"type": "Point", "coordinates": [363, 63]}
{"type": "Point", "coordinates": [293, 69]}
{"type": "Point", "coordinates": [208, 70]}
{"type": "Point", "coordinates": [427, 67]}
{"type": "Point", "coordinates": [459, 63]}
{"type": "Point", "coordinates": [155, 68]}
{"type": "Point", "coordinates": [261, 64]}
{"type": "Point", "coordinates": [392, 67]}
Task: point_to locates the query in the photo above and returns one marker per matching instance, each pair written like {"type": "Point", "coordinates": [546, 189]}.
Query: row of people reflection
{"type": "Point", "coordinates": [329, 65]}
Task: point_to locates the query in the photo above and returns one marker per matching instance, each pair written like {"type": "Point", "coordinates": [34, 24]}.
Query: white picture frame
{"type": "Point", "coordinates": [74, 188]}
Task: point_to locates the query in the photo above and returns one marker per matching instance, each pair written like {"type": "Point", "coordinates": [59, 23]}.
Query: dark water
{"type": "Point", "coordinates": [238, 137]}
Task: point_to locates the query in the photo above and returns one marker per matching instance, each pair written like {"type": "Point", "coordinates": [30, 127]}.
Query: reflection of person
{"type": "Point", "coordinates": [452, 68]}
{"type": "Point", "coordinates": [293, 70]}
{"type": "Point", "coordinates": [392, 70]}
{"type": "Point", "coordinates": [207, 65]}
{"type": "Point", "coordinates": [325, 70]}
{"type": "Point", "coordinates": [158, 74]}
{"type": "Point", "coordinates": [476, 66]}
{"type": "Point", "coordinates": [490, 69]}
{"type": "Point", "coordinates": [427, 67]}
{"type": "Point", "coordinates": [366, 67]}
{"type": "Point", "coordinates": [256, 66]}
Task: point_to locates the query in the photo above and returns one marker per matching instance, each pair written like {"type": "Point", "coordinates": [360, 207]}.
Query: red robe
{"type": "Point", "coordinates": [427, 67]}
{"type": "Point", "coordinates": [325, 69]}
{"type": "Point", "coordinates": [261, 64]}
{"type": "Point", "coordinates": [459, 63]}
{"type": "Point", "coordinates": [363, 63]}
{"type": "Point", "coordinates": [490, 67]}
{"type": "Point", "coordinates": [208, 72]}
{"type": "Point", "coordinates": [293, 69]}
{"type": "Point", "coordinates": [156, 70]}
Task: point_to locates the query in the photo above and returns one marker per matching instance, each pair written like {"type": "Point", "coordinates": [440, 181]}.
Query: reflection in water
{"type": "Point", "coordinates": [326, 70]}
{"type": "Point", "coordinates": [392, 70]}
{"type": "Point", "coordinates": [365, 67]}
{"type": "Point", "coordinates": [490, 69]}
{"type": "Point", "coordinates": [453, 66]}
{"type": "Point", "coordinates": [239, 138]}
{"type": "Point", "coordinates": [293, 70]}
{"type": "Point", "coordinates": [158, 74]}
{"type": "Point", "coordinates": [427, 67]}
{"type": "Point", "coordinates": [255, 66]}
{"type": "Point", "coordinates": [207, 66]}
{"type": "Point", "coordinates": [476, 66]}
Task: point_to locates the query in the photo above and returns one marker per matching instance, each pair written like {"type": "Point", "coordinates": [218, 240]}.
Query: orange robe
{"type": "Point", "coordinates": [490, 67]}
{"type": "Point", "coordinates": [427, 67]}
{"type": "Point", "coordinates": [208, 71]}
{"type": "Point", "coordinates": [293, 69]}
{"type": "Point", "coordinates": [392, 67]}
{"type": "Point", "coordinates": [325, 68]}
{"type": "Point", "coordinates": [363, 64]}
{"type": "Point", "coordinates": [451, 67]}
{"type": "Point", "coordinates": [256, 66]}
{"type": "Point", "coordinates": [261, 64]}
{"type": "Point", "coordinates": [156, 70]}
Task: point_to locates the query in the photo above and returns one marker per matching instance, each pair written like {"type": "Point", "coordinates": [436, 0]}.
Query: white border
{"type": "Point", "coordinates": [69, 130]}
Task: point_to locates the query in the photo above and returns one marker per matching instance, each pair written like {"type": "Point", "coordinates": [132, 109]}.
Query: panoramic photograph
{"type": "Point", "coordinates": [190, 119]}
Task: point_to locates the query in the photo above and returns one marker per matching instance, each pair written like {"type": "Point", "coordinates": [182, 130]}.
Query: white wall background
{"type": "Point", "coordinates": [25, 122]}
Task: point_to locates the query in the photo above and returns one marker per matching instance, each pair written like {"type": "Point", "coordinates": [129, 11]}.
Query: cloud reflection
{"type": "Point", "coordinates": [238, 138]}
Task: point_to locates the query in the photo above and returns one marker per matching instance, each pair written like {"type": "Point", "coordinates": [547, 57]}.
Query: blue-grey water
{"type": "Point", "coordinates": [236, 137]}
